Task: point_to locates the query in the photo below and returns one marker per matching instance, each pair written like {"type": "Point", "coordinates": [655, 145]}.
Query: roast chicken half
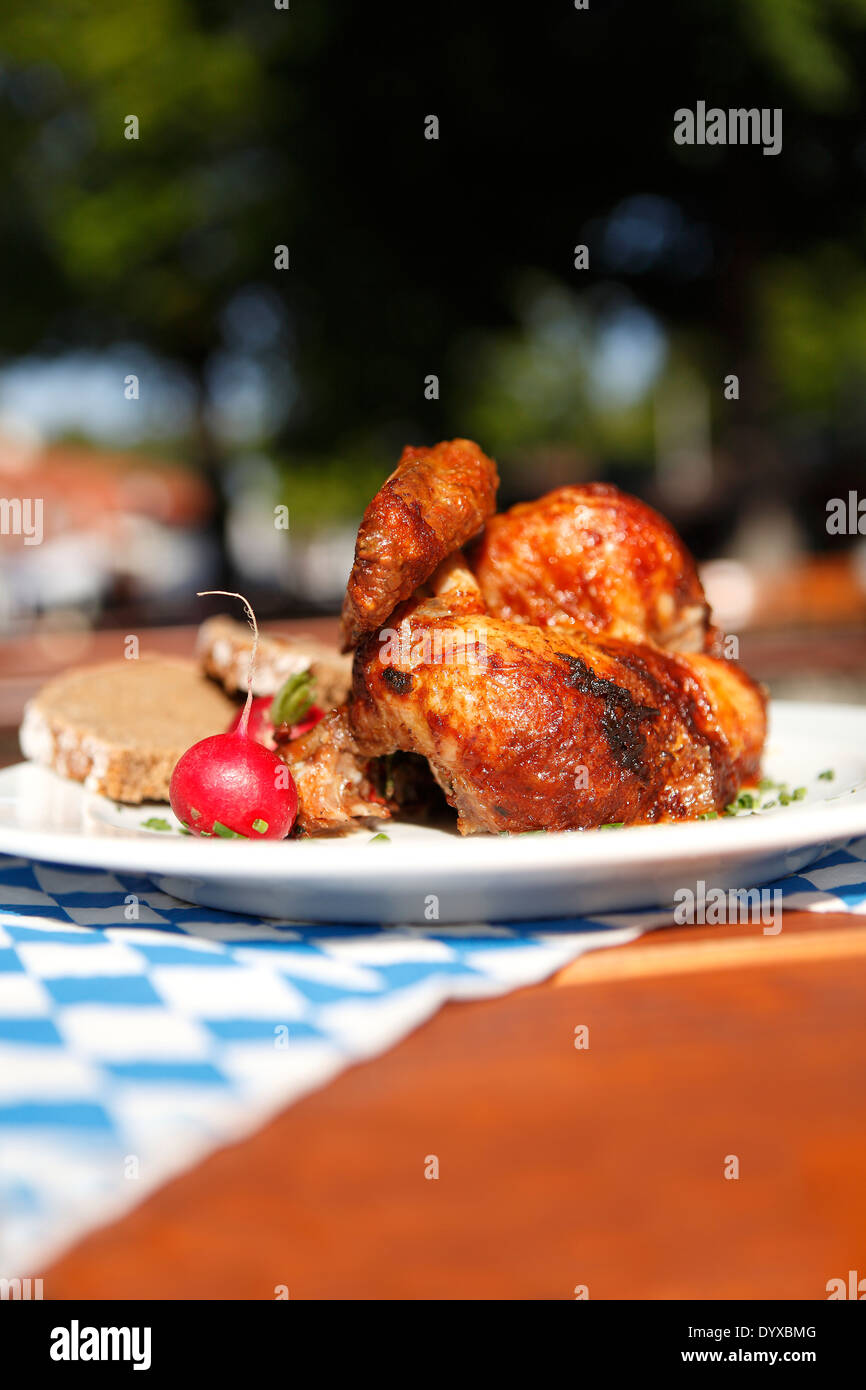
{"type": "Point", "coordinates": [561, 674]}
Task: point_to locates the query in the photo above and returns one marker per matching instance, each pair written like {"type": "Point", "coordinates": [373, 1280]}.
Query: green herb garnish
{"type": "Point", "coordinates": [293, 699]}
{"type": "Point", "coordinates": [799, 793]}
{"type": "Point", "coordinates": [225, 833]}
{"type": "Point", "coordinates": [827, 775]}
{"type": "Point", "coordinates": [260, 826]}
{"type": "Point", "coordinates": [156, 823]}
{"type": "Point", "coordinates": [613, 825]}
{"type": "Point", "coordinates": [709, 815]}
{"type": "Point", "coordinates": [379, 838]}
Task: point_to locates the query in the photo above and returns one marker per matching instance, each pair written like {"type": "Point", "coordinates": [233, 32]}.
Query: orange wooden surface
{"type": "Point", "coordinates": [558, 1167]}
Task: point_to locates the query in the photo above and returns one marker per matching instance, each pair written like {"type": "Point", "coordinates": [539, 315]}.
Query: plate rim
{"type": "Point", "coordinates": [509, 855]}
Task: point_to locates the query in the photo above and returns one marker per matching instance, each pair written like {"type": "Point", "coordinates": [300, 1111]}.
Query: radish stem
{"type": "Point", "coordinates": [227, 593]}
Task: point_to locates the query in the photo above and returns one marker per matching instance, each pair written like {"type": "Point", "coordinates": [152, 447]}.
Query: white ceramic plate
{"type": "Point", "coordinates": [420, 871]}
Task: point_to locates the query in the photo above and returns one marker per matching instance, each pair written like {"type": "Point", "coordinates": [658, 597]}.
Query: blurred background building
{"type": "Point", "coordinates": [169, 377]}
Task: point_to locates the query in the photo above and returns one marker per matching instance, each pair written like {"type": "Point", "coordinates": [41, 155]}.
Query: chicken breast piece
{"type": "Point", "coordinates": [595, 558]}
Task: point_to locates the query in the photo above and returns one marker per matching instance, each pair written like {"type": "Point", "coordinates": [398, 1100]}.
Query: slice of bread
{"type": "Point", "coordinates": [120, 727]}
{"type": "Point", "coordinates": [224, 645]}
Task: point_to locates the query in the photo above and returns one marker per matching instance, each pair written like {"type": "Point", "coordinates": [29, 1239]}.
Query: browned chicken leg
{"type": "Point", "coordinates": [530, 728]}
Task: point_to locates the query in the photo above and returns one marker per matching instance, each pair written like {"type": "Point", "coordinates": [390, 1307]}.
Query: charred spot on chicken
{"type": "Point", "coordinates": [622, 715]}
{"type": "Point", "coordinates": [399, 681]}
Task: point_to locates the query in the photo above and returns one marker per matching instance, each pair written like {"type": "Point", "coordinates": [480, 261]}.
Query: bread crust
{"type": "Point", "coordinates": [223, 647]}
{"type": "Point", "coordinates": [120, 727]}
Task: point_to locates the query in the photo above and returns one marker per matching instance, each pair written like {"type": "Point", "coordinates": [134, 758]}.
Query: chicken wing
{"type": "Point", "coordinates": [596, 558]}
{"type": "Point", "coordinates": [434, 501]}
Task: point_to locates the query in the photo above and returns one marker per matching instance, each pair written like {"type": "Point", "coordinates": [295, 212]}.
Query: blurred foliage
{"type": "Point", "coordinates": [335, 488]}
{"type": "Point", "coordinates": [143, 233]}
{"type": "Point", "coordinates": [797, 38]}
{"type": "Point", "coordinates": [537, 383]}
{"type": "Point", "coordinates": [304, 127]}
{"type": "Point", "coordinates": [812, 318]}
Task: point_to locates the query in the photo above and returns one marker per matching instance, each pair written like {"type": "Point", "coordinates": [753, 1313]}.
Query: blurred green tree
{"type": "Point", "coordinates": [305, 127]}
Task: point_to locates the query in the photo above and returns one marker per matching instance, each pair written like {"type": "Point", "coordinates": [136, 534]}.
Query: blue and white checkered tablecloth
{"type": "Point", "coordinates": [130, 1049]}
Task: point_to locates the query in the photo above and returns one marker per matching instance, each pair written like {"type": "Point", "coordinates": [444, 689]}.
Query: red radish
{"type": "Point", "coordinates": [229, 785]}
{"type": "Point", "coordinates": [309, 721]}
{"type": "Point", "coordinates": [259, 726]}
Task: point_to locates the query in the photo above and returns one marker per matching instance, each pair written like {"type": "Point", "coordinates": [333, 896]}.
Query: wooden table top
{"type": "Point", "coordinates": [559, 1167]}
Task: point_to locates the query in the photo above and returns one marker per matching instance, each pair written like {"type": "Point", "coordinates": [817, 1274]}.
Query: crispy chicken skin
{"type": "Point", "coordinates": [334, 789]}
{"type": "Point", "coordinates": [530, 728]}
{"type": "Point", "coordinates": [560, 676]}
{"type": "Point", "coordinates": [434, 501]}
{"type": "Point", "coordinates": [595, 558]}
{"type": "Point", "coordinates": [328, 767]}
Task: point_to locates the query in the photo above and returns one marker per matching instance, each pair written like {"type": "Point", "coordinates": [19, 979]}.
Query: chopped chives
{"type": "Point", "coordinates": [225, 833]}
